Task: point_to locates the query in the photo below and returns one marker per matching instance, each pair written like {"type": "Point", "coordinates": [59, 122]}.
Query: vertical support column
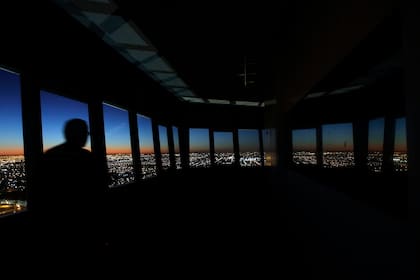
{"type": "Point", "coordinates": [32, 132]}
{"type": "Point", "coordinates": [212, 150]}
{"type": "Point", "coordinates": [319, 145]}
{"type": "Point", "coordinates": [361, 143]}
{"type": "Point", "coordinates": [261, 145]}
{"type": "Point", "coordinates": [135, 146]}
{"type": "Point", "coordinates": [236, 148]}
{"type": "Point", "coordinates": [156, 146]}
{"type": "Point", "coordinates": [389, 141]}
{"type": "Point", "coordinates": [184, 146]}
{"type": "Point", "coordinates": [284, 143]}
{"type": "Point", "coordinates": [97, 136]}
{"type": "Point", "coordinates": [411, 61]}
{"type": "Point", "coordinates": [171, 147]}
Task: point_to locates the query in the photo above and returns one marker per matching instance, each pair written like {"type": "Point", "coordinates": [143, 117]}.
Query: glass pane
{"type": "Point", "coordinates": [249, 147]}
{"type": "Point", "coordinates": [269, 143]}
{"type": "Point", "coordinates": [55, 111]}
{"type": "Point", "coordinates": [223, 148]}
{"type": "Point", "coordinates": [400, 148]}
{"type": "Point", "coordinates": [337, 140]}
{"type": "Point", "coordinates": [13, 193]}
{"type": "Point", "coordinates": [304, 146]}
{"type": "Point", "coordinates": [199, 147]}
{"type": "Point", "coordinates": [164, 149]}
{"type": "Point", "coordinates": [118, 147]}
{"type": "Point", "coordinates": [376, 142]}
{"type": "Point", "coordinates": [147, 150]}
{"type": "Point", "coordinates": [176, 147]}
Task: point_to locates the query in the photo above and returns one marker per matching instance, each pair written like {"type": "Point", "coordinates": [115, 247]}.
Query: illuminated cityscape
{"type": "Point", "coordinates": [331, 159]}
{"type": "Point", "coordinates": [120, 167]}
{"type": "Point", "coordinates": [304, 157]}
{"type": "Point", "coordinates": [374, 161]}
{"type": "Point", "coordinates": [224, 159]}
{"type": "Point", "coordinates": [200, 160]}
{"type": "Point", "coordinates": [400, 161]}
{"type": "Point", "coordinates": [250, 159]}
{"type": "Point", "coordinates": [346, 159]}
{"type": "Point", "coordinates": [166, 163]}
{"type": "Point", "coordinates": [12, 184]}
{"type": "Point", "coordinates": [338, 159]}
{"type": "Point", "coordinates": [148, 165]}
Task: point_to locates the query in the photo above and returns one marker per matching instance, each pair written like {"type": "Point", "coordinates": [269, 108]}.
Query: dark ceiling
{"type": "Point", "coordinates": [207, 42]}
{"type": "Point", "coordinates": [299, 47]}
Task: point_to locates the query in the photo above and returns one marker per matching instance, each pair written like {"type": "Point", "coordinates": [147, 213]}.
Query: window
{"type": "Point", "coordinates": [269, 143]}
{"type": "Point", "coordinates": [176, 147]}
{"type": "Point", "coordinates": [199, 147]}
{"type": "Point", "coordinates": [400, 148]}
{"type": "Point", "coordinates": [164, 148]}
{"type": "Point", "coordinates": [13, 194]}
{"type": "Point", "coordinates": [55, 111]}
{"type": "Point", "coordinates": [118, 147]}
{"type": "Point", "coordinates": [147, 150]}
{"type": "Point", "coordinates": [376, 143]}
{"type": "Point", "coordinates": [249, 147]}
{"type": "Point", "coordinates": [304, 146]}
{"type": "Point", "coordinates": [223, 148]}
{"type": "Point", "coordinates": [337, 140]}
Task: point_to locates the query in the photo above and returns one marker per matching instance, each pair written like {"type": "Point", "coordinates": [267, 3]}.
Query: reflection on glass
{"type": "Point", "coordinates": [176, 147]}
{"type": "Point", "coordinates": [199, 147]}
{"type": "Point", "coordinates": [269, 143]}
{"type": "Point", "coordinates": [223, 148]}
{"type": "Point", "coordinates": [147, 150]}
{"type": "Point", "coordinates": [337, 140]}
{"type": "Point", "coordinates": [13, 193]}
{"type": "Point", "coordinates": [400, 148]}
{"type": "Point", "coordinates": [164, 149]}
{"type": "Point", "coordinates": [304, 146]}
{"type": "Point", "coordinates": [249, 148]}
{"type": "Point", "coordinates": [376, 142]}
{"type": "Point", "coordinates": [118, 148]}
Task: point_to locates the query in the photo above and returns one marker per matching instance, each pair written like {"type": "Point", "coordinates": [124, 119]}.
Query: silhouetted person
{"type": "Point", "coordinates": [70, 197]}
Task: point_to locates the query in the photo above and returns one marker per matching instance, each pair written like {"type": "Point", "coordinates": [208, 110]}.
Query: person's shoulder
{"type": "Point", "coordinates": [55, 150]}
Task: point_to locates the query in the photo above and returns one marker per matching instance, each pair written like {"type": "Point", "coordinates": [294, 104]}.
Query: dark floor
{"type": "Point", "coordinates": [240, 222]}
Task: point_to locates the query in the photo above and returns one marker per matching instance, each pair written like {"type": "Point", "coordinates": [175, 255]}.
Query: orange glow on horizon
{"type": "Point", "coordinates": [118, 150]}
{"type": "Point", "coordinates": [11, 151]}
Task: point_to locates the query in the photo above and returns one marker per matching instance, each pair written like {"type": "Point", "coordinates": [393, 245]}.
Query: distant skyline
{"type": "Point", "coordinates": [337, 137]}
{"type": "Point", "coordinates": [304, 139]}
{"type": "Point", "coordinates": [56, 109]}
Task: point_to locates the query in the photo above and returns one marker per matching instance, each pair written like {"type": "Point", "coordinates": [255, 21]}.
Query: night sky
{"type": "Point", "coordinates": [339, 137]}
{"type": "Point", "coordinates": [223, 142]}
{"type": "Point", "coordinates": [55, 110]}
{"type": "Point", "coordinates": [11, 140]}
{"type": "Point", "coordinates": [199, 140]}
{"type": "Point", "coordinates": [163, 139]}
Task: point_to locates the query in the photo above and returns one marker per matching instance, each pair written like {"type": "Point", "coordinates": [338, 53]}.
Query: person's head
{"type": "Point", "coordinates": [76, 132]}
